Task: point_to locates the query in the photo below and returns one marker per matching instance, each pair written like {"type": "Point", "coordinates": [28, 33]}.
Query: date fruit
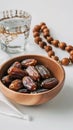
{"type": "Point", "coordinates": [40, 90]}
{"type": "Point", "coordinates": [29, 62]}
{"type": "Point", "coordinates": [15, 64]}
{"type": "Point", "coordinates": [49, 83]}
{"type": "Point", "coordinates": [33, 73]}
{"type": "Point", "coordinates": [29, 83]}
{"type": "Point", "coordinates": [43, 71]}
{"type": "Point", "coordinates": [23, 90]}
{"type": "Point", "coordinates": [16, 85]}
{"type": "Point", "coordinates": [6, 80]}
{"type": "Point", "coordinates": [17, 73]}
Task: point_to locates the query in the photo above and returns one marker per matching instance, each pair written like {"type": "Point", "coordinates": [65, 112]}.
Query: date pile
{"type": "Point", "coordinates": [28, 76]}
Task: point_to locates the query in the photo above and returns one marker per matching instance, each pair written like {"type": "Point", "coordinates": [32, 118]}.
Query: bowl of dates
{"type": "Point", "coordinates": [31, 79]}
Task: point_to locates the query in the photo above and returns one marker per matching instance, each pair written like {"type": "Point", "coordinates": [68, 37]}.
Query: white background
{"type": "Point", "coordinates": [58, 113]}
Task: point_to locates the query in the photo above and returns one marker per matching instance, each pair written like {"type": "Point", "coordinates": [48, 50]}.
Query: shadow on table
{"type": "Point", "coordinates": [62, 102]}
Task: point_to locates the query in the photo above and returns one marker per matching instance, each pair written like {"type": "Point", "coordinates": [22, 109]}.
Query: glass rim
{"type": "Point", "coordinates": [13, 14]}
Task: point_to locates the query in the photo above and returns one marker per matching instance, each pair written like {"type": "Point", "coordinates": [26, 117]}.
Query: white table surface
{"type": "Point", "coordinates": [58, 113]}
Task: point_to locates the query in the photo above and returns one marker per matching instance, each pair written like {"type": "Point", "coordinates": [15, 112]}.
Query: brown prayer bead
{"type": "Point", "coordinates": [65, 61]}
{"type": "Point", "coordinates": [49, 39]}
{"type": "Point", "coordinates": [42, 23]}
{"type": "Point", "coordinates": [51, 53]}
{"type": "Point", "coordinates": [47, 48]}
{"type": "Point", "coordinates": [41, 44]}
{"type": "Point", "coordinates": [37, 39]}
{"type": "Point", "coordinates": [36, 28]}
{"type": "Point", "coordinates": [55, 58]}
{"type": "Point", "coordinates": [55, 43]}
{"type": "Point", "coordinates": [35, 34]}
{"type": "Point", "coordinates": [69, 48]}
{"type": "Point", "coordinates": [43, 27]}
{"type": "Point", "coordinates": [46, 34]}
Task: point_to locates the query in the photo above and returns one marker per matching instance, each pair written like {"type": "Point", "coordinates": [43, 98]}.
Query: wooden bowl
{"type": "Point", "coordinates": [38, 98]}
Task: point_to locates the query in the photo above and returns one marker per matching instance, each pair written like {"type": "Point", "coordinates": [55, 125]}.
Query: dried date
{"type": "Point", "coordinates": [39, 90]}
{"type": "Point", "coordinates": [43, 71]}
{"type": "Point", "coordinates": [49, 83]}
{"type": "Point", "coordinates": [16, 85]}
{"type": "Point", "coordinates": [29, 84]}
{"type": "Point", "coordinates": [6, 80]}
{"type": "Point", "coordinates": [17, 73]}
{"type": "Point", "coordinates": [23, 90]}
{"type": "Point", "coordinates": [29, 62]}
{"type": "Point", "coordinates": [15, 64]}
{"type": "Point", "coordinates": [33, 73]}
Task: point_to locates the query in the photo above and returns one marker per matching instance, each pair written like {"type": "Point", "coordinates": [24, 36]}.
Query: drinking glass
{"type": "Point", "coordinates": [14, 30]}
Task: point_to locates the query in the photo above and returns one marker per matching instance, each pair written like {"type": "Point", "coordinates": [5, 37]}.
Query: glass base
{"type": "Point", "coordinates": [14, 49]}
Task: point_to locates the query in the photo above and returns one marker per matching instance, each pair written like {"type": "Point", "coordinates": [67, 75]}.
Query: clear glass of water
{"type": "Point", "coordinates": [14, 30]}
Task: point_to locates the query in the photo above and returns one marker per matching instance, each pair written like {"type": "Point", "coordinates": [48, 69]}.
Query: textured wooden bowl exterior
{"type": "Point", "coordinates": [38, 98]}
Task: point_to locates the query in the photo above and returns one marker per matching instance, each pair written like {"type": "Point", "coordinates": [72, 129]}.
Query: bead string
{"type": "Point", "coordinates": [43, 29]}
